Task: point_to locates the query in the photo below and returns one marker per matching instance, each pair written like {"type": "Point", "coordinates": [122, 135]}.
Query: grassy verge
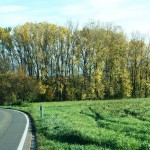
{"type": "Point", "coordinates": [92, 125]}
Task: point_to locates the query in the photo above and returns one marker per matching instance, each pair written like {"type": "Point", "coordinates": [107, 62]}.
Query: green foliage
{"type": "Point", "coordinates": [15, 88]}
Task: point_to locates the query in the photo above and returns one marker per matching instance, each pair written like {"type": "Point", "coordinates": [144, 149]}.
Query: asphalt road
{"type": "Point", "coordinates": [12, 126]}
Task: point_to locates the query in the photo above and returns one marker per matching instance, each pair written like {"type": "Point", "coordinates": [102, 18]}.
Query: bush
{"type": "Point", "coordinates": [15, 88]}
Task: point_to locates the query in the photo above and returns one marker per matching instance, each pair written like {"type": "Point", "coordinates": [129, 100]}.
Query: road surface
{"type": "Point", "coordinates": [12, 127]}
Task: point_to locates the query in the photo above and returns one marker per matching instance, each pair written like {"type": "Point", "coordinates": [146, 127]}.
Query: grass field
{"type": "Point", "coordinates": [93, 125]}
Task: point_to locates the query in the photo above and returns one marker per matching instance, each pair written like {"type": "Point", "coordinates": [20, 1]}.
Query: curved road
{"type": "Point", "coordinates": [12, 126]}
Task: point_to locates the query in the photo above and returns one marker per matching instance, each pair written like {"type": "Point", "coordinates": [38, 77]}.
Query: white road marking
{"type": "Point", "coordinates": [21, 144]}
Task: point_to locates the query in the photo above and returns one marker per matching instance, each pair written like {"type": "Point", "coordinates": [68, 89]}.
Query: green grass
{"type": "Point", "coordinates": [92, 125]}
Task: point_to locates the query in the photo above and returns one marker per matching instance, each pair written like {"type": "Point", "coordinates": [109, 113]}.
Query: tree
{"type": "Point", "coordinates": [136, 60]}
{"type": "Point", "coordinates": [71, 63]}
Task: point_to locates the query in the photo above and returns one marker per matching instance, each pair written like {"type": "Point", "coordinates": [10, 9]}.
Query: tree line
{"type": "Point", "coordinates": [42, 61]}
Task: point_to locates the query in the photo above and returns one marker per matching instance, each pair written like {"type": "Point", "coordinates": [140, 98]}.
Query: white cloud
{"type": "Point", "coordinates": [19, 19]}
{"type": "Point", "coordinates": [132, 16]}
{"type": "Point", "coordinates": [106, 3]}
{"type": "Point", "coordinates": [11, 9]}
{"type": "Point", "coordinates": [113, 10]}
{"type": "Point", "coordinates": [72, 10]}
{"type": "Point", "coordinates": [105, 10]}
{"type": "Point", "coordinates": [126, 13]}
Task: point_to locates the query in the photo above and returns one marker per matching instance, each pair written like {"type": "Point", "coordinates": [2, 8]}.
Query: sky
{"type": "Point", "coordinates": [131, 15]}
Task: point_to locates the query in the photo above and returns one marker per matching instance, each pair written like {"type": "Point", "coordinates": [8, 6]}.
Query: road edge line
{"type": "Point", "coordinates": [21, 144]}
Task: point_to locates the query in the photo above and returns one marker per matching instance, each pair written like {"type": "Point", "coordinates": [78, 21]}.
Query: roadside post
{"type": "Point", "coordinates": [41, 110]}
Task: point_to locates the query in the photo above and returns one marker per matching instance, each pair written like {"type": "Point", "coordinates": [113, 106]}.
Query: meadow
{"type": "Point", "coordinates": [92, 125]}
